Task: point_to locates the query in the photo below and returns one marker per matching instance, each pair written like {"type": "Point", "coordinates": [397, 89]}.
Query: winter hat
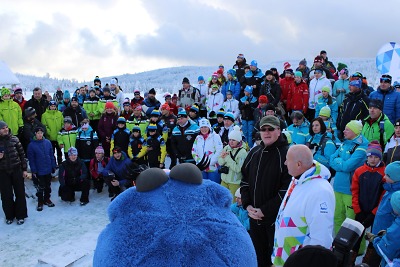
{"type": "Point", "coordinates": [356, 83]}
{"type": "Point", "coordinates": [232, 72]}
{"type": "Point", "coordinates": [376, 103]}
{"type": "Point", "coordinates": [344, 71]}
{"type": "Point", "coordinates": [303, 62]}
{"type": "Point", "coordinates": [229, 92]}
{"type": "Point", "coordinates": [215, 86]}
{"type": "Point", "coordinates": [322, 52]}
{"type": "Point", "coordinates": [121, 120]}
{"type": "Point", "coordinates": [194, 108]}
{"type": "Point", "coordinates": [109, 105]}
{"type": "Point", "coordinates": [325, 111]}
{"type": "Point", "coordinates": [97, 79]}
{"type": "Point", "coordinates": [355, 126]}
{"type": "Point", "coordinates": [221, 113]}
{"type": "Point", "coordinates": [126, 103]}
{"type": "Point", "coordinates": [326, 89]}
{"type": "Point", "coordinates": [29, 111]}
{"type": "Point", "coordinates": [113, 81]}
{"type": "Point", "coordinates": [17, 90]}
{"type": "Point", "coordinates": [268, 72]}
{"type": "Point", "coordinates": [220, 71]}
{"type": "Point", "coordinates": [181, 113]}
{"type": "Point", "coordinates": [341, 66]}
{"type": "Point", "coordinates": [386, 77]}
{"type": "Point", "coordinates": [396, 85]}
{"type": "Point", "coordinates": [215, 75]}
{"type": "Point", "coordinates": [200, 78]}
{"type": "Point", "coordinates": [66, 95]}
{"type": "Point", "coordinates": [3, 124]}
{"type": "Point", "coordinates": [270, 120]}
{"type": "Point", "coordinates": [229, 116]}
{"type": "Point", "coordinates": [106, 89]}
{"type": "Point", "coordinates": [68, 119]}
{"type": "Point", "coordinates": [312, 256]}
{"type": "Point", "coordinates": [155, 113]}
{"type": "Point", "coordinates": [74, 98]}
{"type": "Point", "coordinates": [249, 89]}
{"type": "Point", "coordinates": [318, 59]}
{"type": "Point", "coordinates": [152, 127]}
{"type": "Point", "coordinates": [395, 201]}
{"type": "Point", "coordinates": [72, 151]}
{"type": "Point", "coordinates": [137, 91]}
{"type": "Point", "coordinates": [38, 128]}
{"type": "Point", "coordinates": [298, 74]}
{"type": "Point", "coordinates": [240, 56]}
{"type": "Point", "coordinates": [96, 87]}
{"type": "Point", "coordinates": [263, 99]}
{"type": "Point", "coordinates": [92, 89]}
{"type": "Point", "coordinates": [167, 95]}
{"type": "Point", "coordinates": [235, 134]}
{"type": "Point", "coordinates": [374, 149]}
{"type": "Point", "coordinates": [185, 80]}
{"type": "Point", "coordinates": [5, 91]}
{"type": "Point", "coordinates": [136, 128]}
{"type": "Point", "coordinates": [397, 123]}
{"type": "Point", "coordinates": [270, 106]}
{"type": "Point", "coordinates": [116, 149]}
{"type": "Point", "coordinates": [253, 63]}
{"type": "Point", "coordinates": [392, 170]}
{"type": "Point", "coordinates": [165, 106]}
{"type": "Point", "coordinates": [52, 103]}
{"type": "Point", "coordinates": [99, 150]}
{"type": "Point", "coordinates": [152, 91]}
{"type": "Point", "coordinates": [138, 107]}
{"type": "Point", "coordinates": [237, 193]}
{"type": "Point", "coordinates": [286, 65]}
{"type": "Point", "coordinates": [205, 123]}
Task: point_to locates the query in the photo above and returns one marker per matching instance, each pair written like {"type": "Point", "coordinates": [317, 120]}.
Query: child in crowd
{"type": "Point", "coordinates": [120, 136]}
{"type": "Point", "coordinates": [156, 149]}
{"type": "Point", "coordinates": [137, 146]}
{"type": "Point", "coordinates": [231, 105]}
{"type": "Point", "coordinates": [86, 142]}
{"type": "Point", "coordinates": [96, 166]}
{"type": "Point", "coordinates": [67, 136]}
{"type": "Point", "coordinates": [220, 121]}
{"type": "Point", "coordinates": [127, 110]}
{"type": "Point", "coordinates": [238, 210]}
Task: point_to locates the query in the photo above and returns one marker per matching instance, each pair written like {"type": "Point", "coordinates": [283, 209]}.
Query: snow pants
{"type": "Point", "coordinates": [12, 183]}
{"type": "Point", "coordinates": [67, 192]}
{"type": "Point", "coordinates": [43, 187]}
{"type": "Point", "coordinates": [213, 176]}
{"type": "Point", "coordinates": [247, 128]}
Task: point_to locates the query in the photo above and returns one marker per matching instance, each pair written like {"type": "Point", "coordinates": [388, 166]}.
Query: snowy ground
{"type": "Point", "coordinates": [57, 235]}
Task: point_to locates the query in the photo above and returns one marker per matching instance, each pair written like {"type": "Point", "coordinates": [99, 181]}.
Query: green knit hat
{"type": "Point", "coordinates": [341, 66]}
{"type": "Point", "coordinates": [5, 91]}
{"type": "Point", "coordinates": [325, 111]}
{"type": "Point", "coordinates": [326, 89]}
{"type": "Point", "coordinates": [355, 126]}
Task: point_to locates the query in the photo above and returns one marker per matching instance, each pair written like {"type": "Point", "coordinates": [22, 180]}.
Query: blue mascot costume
{"type": "Point", "coordinates": [174, 219]}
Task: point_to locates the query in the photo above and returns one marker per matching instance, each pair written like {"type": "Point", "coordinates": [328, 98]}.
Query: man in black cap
{"type": "Point", "coordinates": [150, 103]}
{"type": "Point", "coordinates": [188, 95]}
{"type": "Point", "coordinates": [327, 64]}
{"type": "Point", "coordinates": [229, 123]}
{"type": "Point", "coordinates": [377, 125]}
{"type": "Point", "coordinates": [75, 111]}
{"type": "Point", "coordinates": [264, 183]}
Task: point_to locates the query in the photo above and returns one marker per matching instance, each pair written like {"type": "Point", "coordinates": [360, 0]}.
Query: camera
{"type": "Point", "coordinates": [223, 169]}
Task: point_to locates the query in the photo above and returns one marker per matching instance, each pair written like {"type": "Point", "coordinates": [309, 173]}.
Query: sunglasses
{"type": "Point", "coordinates": [318, 71]}
{"type": "Point", "coordinates": [269, 129]}
{"type": "Point", "coordinates": [385, 80]}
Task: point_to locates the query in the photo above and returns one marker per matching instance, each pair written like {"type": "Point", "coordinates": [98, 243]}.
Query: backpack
{"type": "Point", "coordinates": [193, 95]}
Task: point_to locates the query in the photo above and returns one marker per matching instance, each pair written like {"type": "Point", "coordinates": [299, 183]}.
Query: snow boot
{"type": "Point", "coordinates": [39, 206]}
{"type": "Point", "coordinates": [20, 221]}
{"type": "Point", "coordinates": [9, 221]}
{"type": "Point", "coordinates": [49, 203]}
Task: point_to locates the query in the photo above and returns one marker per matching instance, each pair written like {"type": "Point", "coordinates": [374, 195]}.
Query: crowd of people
{"type": "Point", "coordinates": [273, 140]}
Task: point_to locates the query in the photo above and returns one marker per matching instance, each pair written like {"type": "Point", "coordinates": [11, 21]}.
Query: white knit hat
{"type": "Point", "coordinates": [205, 123]}
{"type": "Point", "coordinates": [237, 193]}
{"type": "Point", "coordinates": [235, 134]}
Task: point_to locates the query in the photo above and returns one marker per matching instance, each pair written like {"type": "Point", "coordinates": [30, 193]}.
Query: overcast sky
{"type": "Point", "coordinates": [84, 38]}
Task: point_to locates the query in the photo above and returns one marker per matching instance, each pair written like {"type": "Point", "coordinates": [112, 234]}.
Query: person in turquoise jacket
{"type": "Point", "coordinates": [300, 128]}
{"type": "Point", "coordinates": [327, 100]}
{"type": "Point", "coordinates": [341, 86]}
{"type": "Point", "coordinates": [238, 210]}
{"type": "Point", "coordinates": [348, 157]}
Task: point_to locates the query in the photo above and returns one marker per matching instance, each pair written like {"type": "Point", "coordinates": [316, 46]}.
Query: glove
{"type": "Point", "coordinates": [365, 218]}
{"type": "Point", "coordinates": [381, 233]}
{"type": "Point", "coordinates": [204, 163]}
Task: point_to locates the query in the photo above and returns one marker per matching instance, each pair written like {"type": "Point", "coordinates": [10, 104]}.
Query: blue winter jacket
{"type": "Point", "coordinates": [242, 215]}
{"type": "Point", "coordinates": [384, 215]}
{"type": "Point", "coordinates": [118, 167]}
{"type": "Point", "coordinates": [41, 156]}
{"type": "Point", "coordinates": [300, 134]}
{"type": "Point", "coordinates": [322, 102]}
{"type": "Point", "coordinates": [340, 84]}
{"type": "Point", "coordinates": [391, 102]}
{"type": "Point", "coordinates": [390, 242]}
{"type": "Point", "coordinates": [322, 155]}
{"type": "Point", "coordinates": [345, 163]}
{"type": "Point", "coordinates": [234, 86]}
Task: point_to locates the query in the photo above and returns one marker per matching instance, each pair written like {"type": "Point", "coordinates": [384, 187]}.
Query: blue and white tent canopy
{"type": "Point", "coordinates": [388, 60]}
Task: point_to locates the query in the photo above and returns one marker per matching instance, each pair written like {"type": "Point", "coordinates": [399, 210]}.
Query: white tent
{"type": "Point", "coordinates": [7, 77]}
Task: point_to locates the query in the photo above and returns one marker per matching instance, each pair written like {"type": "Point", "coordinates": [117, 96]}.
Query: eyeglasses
{"type": "Point", "coordinates": [269, 129]}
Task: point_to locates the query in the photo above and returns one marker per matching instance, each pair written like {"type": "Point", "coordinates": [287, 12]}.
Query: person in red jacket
{"type": "Point", "coordinates": [367, 189]}
{"type": "Point", "coordinates": [285, 84]}
{"type": "Point", "coordinates": [18, 98]}
{"type": "Point", "coordinates": [298, 95]}
{"type": "Point", "coordinates": [173, 108]}
{"type": "Point", "coordinates": [106, 127]}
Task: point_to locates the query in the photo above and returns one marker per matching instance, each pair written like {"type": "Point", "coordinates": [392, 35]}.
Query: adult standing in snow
{"type": "Point", "coordinates": [19, 99]}
{"type": "Point", "coordinates": [38, 102]}
{"type": "Point", "coordinates": [116, 89]}
{"type": "Point", "coordinates": [308, 204]}
{"type": "Point", "coordinates": [188, 95]}
{"type": "Point", "coordinates": [150, 103]}
{"type": "Point", "coordinates": [240, 66]}
{"type": "Point", "coordinates": [12, 173]}
{"type": "Point", "coordinates": [107, 125]}
{"type": "Point", "coordinates": [76, 112]}
{"type": "Point", "coordinates": [315, 91]}
{"type": "Point", "coordinates": [10, 112]}
{"type": "Point", "coordinates": [254, 77]}
{"type": "Point", "coordinates": [42, 163]}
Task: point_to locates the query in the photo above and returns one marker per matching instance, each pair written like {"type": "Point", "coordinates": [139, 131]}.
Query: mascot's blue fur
{"type": "Point", "coordinates": [175, 224]}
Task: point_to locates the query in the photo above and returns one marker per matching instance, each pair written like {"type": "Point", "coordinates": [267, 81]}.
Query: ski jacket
{"type": "Point", "coordinates": [86, 143]}
{"type": "Point", "coordinates": [315, 91]}
{"type": "Point", "coordinates": [322, 102]}
{"type": "Point", "coordinates": [107, 125]}
{"type": "Point", "coordinates": [211, 146]}
{"type": "Point", "coordinates": [72, 172]}
{"type": "Point", "coordinates": [253, 78]}
{"type": "Point", "coordinates": [234, 161]}
{"type": "Point", "coordinates": [297, 97]}
{"type": "Point", "coordinates": [322, 147]}
{"type": "Point", "coordinates": [41, 157]}
{"type": "Point", "coordinates": [354, 107]}
{"type": "Point", "coordinates": [232, 105]}
{"type": "Point", "coordinates": [67, 137]}
{"type": "Point", "coordinates": [242, 215]}
{"type": "Point", "coordinates": [285, 84]}
{"type": "Point", "coordinates": [29, 130]}
{"type": "Point", "coordinates": [118, 167]}
{"type": "Point", "coordinates": [300, 134]}
{"type": "Point", "coordinates": [265, 178]}
{"type": "Point", "coordinates": [11, 113]}
{"type": "Point", "coordinates": [340, 84]}
{"type": "Point", "coordinates": [306, 214]}
{"type": "Point", "coordinates": [21, 102]}
{"type": "Point", "coordinates": [54, 122]}
{"type": "Point", "coordinates": [232, 85]}
{"type": "Point", "coordinates": [120, 138]}
{"type": "Point", "coordinates": [77, 114]}
{"type": "Point", "coordinates": [214, 102]}
{"type": "Point", "coordinates": [183, 138]}
{"type": "Point", "coordinates": [367, 188]}
{"type": "Point", "coordinates": [392, 150]}
{"type": "Point", "coordinates": [40, 106]}
{"type": "Point", "coordinates": [14, 153]}
{"type": "Point", "coordinates": [149, 105]}
{"type": "Point", "coordinates": [247, 111]}
{"type": "Point", "coordinates": [379, 130]}
{"type": "Point", "coordinates": [272, 90]}
{"type": "Point", "coordinates": [91, 108]}
{"type": "Point", "coordinates": [186, 98]}
{"type": "Point", "coordinates": [384, 215]}
{"type": "Point", "coordinates": [390, 242]}
{"type": "Point", "coordinates": [94, 167]}
{"type": "Point", "coordinates": [156, 149]}
{"type": "Point", "coordinates": [390, 100]}
{"type": "Point", "coordinates": [348, 157]}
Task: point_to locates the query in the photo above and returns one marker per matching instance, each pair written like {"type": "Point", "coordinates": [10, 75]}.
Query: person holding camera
{"type": "Point", "coordinates": [231, 161]}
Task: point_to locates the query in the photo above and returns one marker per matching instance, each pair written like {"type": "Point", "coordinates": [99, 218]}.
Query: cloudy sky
{"type": "Point", "coordinates": [84, 38]}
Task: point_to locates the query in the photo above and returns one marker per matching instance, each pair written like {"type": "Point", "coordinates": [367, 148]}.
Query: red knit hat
{"type": "Point", "coordinates": [318, 59]}
{"type": "Point", "coordinates": [165, 106]}
{"type": "Point", "coordinates": [109, 105]}
{"type": "Point", "coordinates": [286, 65]}
{"type": "Point", "coordinates": [220, 71]}
{"type": "Point", "coordinates": [263, 99]}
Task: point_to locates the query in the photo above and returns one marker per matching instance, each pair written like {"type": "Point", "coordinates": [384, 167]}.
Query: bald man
{"type": "Point", "coordinates": [306, 213]}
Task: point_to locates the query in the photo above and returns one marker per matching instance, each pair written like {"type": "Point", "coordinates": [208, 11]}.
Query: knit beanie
{"type": "Point", "coordinates": [194, 108]}
{"type": "Point", "coordinates": [205, 123]}
{"type": "Point", "coordinates": [263, 99]}
{"type": "Point", "coordinates": [237, 193]}
{"type": "Point", "coordinates": [221, 113]}
{"type": "Point", "coordinates": [392, 170]}
{"type": "Point", "coordinates": [303, 62]}
{"type": "Point", "coordinates": [121, 120]}
{"type": "Point", "coordinates": [253, 63]}
{"type": "Point", "coordinates": [200, 78]}
{"type": "Point", "coordinates": [374, 149]}
{"type": "Point", "coordinates": [155, 113]}
{"type": "Point", "coordinates": [395, 202]}
{"type": "Point", "coordinates": [356, 83]}
{"type": "Point", "coordinates": [249, 89]}
{"type": "Point", "coordinates": [326, 89]}
{"type": "Point", "coordinates": [72, 151]}
{"type": "Point", "coordinates": [229, 116]}
{"type": "Point", "coordinates": [298, 74]}
{"type": "Point", "coordinates": [235, 134]}
{"type": "Point", "coordinates": [325, 111]}
{"type": "Point", "coordinates": [109, 105]}
{"type": "Point", "coordinates": [341, 66]}
{"type": "Point", "coordinates": [5, 91]}
{"type": "Point", "coordinates": [165, 106]}
{"type": "Point", "coordinates": [355, 126]}
{"type": "Point", "coordinates": [3, 124]}
{"type": "Point", "coordinates": [232, 72]}
{"type": "Point", "coordinates": [99, 150]}
{"type": "Point", "coordinates": [152, 91]}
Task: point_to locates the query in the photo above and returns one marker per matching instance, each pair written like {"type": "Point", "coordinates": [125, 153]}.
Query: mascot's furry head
{"type": "Point", "coordinates": [175, 220]}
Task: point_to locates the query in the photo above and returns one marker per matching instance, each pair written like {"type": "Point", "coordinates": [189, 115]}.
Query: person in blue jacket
{"type": "Point", "coordinates": [231, 84]}
{"type": "Point", "coordinates": [240, 213]}
{"type": "Point", "coordinates": [114, 172]}
{"type": "Point", "coordinates": [327, 100]}
{"type": "Point", "coordinates": [42, 163]}
{"type": "Point", "coordinates": [350, 155]}
{"type": "Point", "coordinates": [254, 77]}
{"type": "Point", "coordinates": [389, 97]}
{"type": "Point", "coordinates": [300, 128]}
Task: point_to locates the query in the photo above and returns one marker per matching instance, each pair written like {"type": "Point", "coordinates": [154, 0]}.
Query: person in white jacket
{"type": "Point", "coordinates": [305, 216]}
{"type": "Point", "coordinates": [214, 100]}
{"type": "Point", "coordinates": [315, 91]}
{"type": "Point", "coordinates": [231, 105]}
{"type": "Point", "coordinates": [208, 144]}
